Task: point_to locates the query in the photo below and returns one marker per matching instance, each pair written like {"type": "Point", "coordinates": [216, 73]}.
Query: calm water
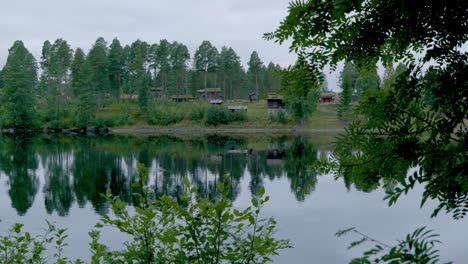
{"type": "Point", "coordinates": [60, 179]}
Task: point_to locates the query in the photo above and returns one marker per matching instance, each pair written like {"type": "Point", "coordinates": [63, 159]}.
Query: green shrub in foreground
{"type": "Point", "coordinates": [164, 231]}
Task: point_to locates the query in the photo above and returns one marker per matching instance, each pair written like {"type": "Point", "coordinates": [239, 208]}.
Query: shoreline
{"type": "Point", "coordinates": [222, 130]}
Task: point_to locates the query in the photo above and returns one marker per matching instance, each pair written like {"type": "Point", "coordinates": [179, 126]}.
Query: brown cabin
{"type": "Point", "coordinates": [182, 98]}
{"type": "Point", "coordinates": [210, 94]}
{"type": "Point", "coordinates": [275, 103]}
{"type": "Point", "coordinates": [253, 97]}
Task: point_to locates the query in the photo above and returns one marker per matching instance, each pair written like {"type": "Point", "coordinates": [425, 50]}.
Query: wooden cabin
{"type": "Point", "coordinates": [275, 104]}
{"type": "Point", "coordinates": [182, 98]}
{"type": "Point", "coordinates": [210, 94]}
{"type": "Point", "coordinates": [253, 97]}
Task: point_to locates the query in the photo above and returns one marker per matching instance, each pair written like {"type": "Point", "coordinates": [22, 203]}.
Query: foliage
{"type": "Point", "coordinates": [20, 76]}
{"type": "Point", "coordinates": [300, 84]}
{"type": "Point", "coordinates": [164, 116]}
{"type": "Point", "coordinates": [412, 132]}
{"type": "Point", "coordinates": [165, 231]}
{"type": "Point", "coordinates": [417, 247]}
{"type": "Point", "coordinates": [280, 117]}
{"type": "Point", "coordinates": [83, 87]}
{"type": "Point", "coordinates": [198, 112]}
{"type": "Point", "coordinates": [222, 116]}
{"type": "Point", "coordinates": [348, 85]}
{"type": "Point", "coordinates": [417, 124]}
{"type": "Point", "coordinates": [218, 116]}
{"type": "Point", "coordinates": [18, 246]}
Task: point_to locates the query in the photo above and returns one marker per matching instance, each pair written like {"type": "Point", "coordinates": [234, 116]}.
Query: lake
{"type": "Point", "coordinates": [60, 179]}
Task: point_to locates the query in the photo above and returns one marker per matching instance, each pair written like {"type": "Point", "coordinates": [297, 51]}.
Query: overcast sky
{"type": "Point", "coordinates": [236, 23]}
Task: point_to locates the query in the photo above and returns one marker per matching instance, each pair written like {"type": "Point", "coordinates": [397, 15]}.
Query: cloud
{"type": "Point", "coordinates": [236, 23]}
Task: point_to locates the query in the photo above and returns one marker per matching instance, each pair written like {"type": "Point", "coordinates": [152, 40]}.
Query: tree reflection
{"type": "Point", "coordinates": [19, 163]}
{"type": "Point", "coordinates": [300, 156]}
{"type": "Point", "coordinates": [80, 169]}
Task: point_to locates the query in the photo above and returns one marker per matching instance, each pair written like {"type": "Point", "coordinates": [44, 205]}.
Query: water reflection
{"type": "Point", "coordinates": [77, 170]}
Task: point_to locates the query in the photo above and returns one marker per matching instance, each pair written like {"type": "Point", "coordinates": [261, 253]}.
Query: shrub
{"type": "Point", "coordinates": [217, 115]}
{"type": "Point", "coordinates": [198, 112]}
{"type": "Point", "coordinates": [239, 116]}
{"type": "Point", "coordinates": [280, 117]}
{"type": "Point", "coordinates": [199, 231]}
{"type": "Point", "coordinates": [164, 118]}
{"type": "Point", "coordinates": [190, 229]}
{"type": "Point", "coordinates": [106, 121]}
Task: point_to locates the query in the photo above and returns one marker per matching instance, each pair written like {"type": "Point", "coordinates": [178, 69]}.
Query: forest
{"type": "Point", "coordinates": [45, 92]}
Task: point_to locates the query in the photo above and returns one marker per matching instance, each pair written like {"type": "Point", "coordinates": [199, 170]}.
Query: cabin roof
{"type": "Point", "coordinates": [328, 95]}
{"type": "Point", "coordinates": [275, 97]}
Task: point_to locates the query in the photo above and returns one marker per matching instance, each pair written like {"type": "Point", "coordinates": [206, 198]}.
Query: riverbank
{"type": "Point", "coordinates": [222, 130]}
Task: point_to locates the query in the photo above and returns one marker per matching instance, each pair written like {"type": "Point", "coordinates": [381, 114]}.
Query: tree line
{"type": "Point", "coordinates": [106, 73]}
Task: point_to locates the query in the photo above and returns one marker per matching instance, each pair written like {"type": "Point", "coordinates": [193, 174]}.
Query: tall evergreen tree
{"type": "Point", "coordinates": [82, 84]}
{"type": "Point", "coordinates": [45, 82]}
{"type": "Point", "coordinates": [348, 84]}
{"type": "Point", "coordinates": [206, 60]}
{"type": "Point", "coordinates": [162, 62]}
{"type": "Point", "coordinates": [389, 77]}
{"type": "Point", "coordinates": [179, 60]}
{"type": "Point", "coordinates": [138, 77]}
{"type": "Point", "coordinates": [255, 66]}
{"type": "Point", "coordinates": [116, 67]}
{"type": "Point", "coordinates": [231, 71]}
{"type": "Point", "coordinates": [99, 63]}
{"type": "Point", "coordinates": [20, 77]}
{"type": "Point", "coordinates": [60, 58]}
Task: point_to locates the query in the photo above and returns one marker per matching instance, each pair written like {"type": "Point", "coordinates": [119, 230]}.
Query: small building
{"type": "Point", "coordinates": [327, 97]}
{"type": "Point", "coordinates": [182, 98]}
{"type": "Point", "coordinates": [210, 94]}
{"type": "Point", "coordinates": [157, 92]}
{"type": "Point", "coordinates": [253, 97]}
{"type": "Point", "coordinates": [275, 104]}
{"type": "Point", "coordinates": [130, 96]}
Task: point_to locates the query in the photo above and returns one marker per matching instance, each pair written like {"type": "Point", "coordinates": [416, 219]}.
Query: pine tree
{"type": "Point", "coordinates": [82, 84]}
{"type": "Point", "coordinates": [179, 60]}
{"type": "Point", "coordinates": [99, 64]}
{"type": "Point", "coordinates": [255, 66]}
{"type": "Point", "coordinates": [163, 53]}
{"type": "Point", "coordinates": [20, 77]}
{"type": "Point", "coordinates": [206, 60]}
{"type": "Point", "coordinates": [116, 67]}
{"type": "Point", "coordinates": [347, 83]}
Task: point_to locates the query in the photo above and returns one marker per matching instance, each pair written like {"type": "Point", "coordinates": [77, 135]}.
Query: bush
{"type": "Point", "coordinates": [106, 121]}
{"type": "Point", "coordinates": [218, 115]}
{"type": "Point", "coordinates": [239, 116]}
{"type": "Point", "coordinates": [198, 112]}
{"type": "Point", "coordinates": [164, 118]}
{"type": "Point", "coordinates": [280, 117]}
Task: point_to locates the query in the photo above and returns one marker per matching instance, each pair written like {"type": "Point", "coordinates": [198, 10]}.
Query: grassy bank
{"type": "Point", "coordinates": [196, 115]}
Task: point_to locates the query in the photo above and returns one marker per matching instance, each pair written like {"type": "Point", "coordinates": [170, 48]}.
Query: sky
{"type": "Point", "coordinates": [236, 23]}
